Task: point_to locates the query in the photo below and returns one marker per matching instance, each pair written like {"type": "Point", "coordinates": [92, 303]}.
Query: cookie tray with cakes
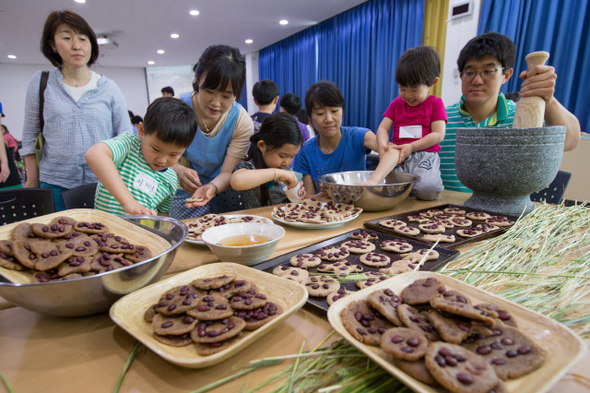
{"type": "Point", "coordinates": [537, 350]}
{"type": "Point", "coordinates": [451, 225]}
{"type": "Point", "coordinates": [347, 273]}
{"type": "Point", "coordinates": [130, 312]}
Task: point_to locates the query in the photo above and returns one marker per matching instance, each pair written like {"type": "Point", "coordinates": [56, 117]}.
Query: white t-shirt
{"type": "Point", "coordinates": [78, 92]}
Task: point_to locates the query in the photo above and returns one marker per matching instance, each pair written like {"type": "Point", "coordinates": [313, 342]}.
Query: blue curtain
{"type": "Point", "coordinates": [291, 63]}
{"type": "Point", "coordinates": [244, 96]}
{"type": "Point", "coordinates": [357, 49]}
{"type": "Point", "coordinates": [561, 28]}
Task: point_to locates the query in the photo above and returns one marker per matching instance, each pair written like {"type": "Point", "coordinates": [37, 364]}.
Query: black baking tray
{"type": "Point", "coordinates": [445, 255]}
{"type": "Point", "coordinates": [459, 241]}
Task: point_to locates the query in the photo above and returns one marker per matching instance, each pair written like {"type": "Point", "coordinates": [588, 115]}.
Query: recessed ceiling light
{"type": "Point", "coordinates": [80, 1]}
{"type": "Point", "coordinates": [174, 35]}
{"type": "Point", "coordinates": [151, 62]}
{"type": "Point", "coordinates": [194, 12]}
{"type": "Point", "coordinates": [284, 22]}
{"type": "Point", "coordinates": [249, 41]}
{"type": "Point", "coordinates": [161, 51]}
{"type": "Point", "coordinates": [11, 56]}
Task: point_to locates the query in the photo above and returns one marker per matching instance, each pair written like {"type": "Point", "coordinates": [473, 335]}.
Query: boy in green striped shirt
{"type": "Point", "coordinates": [133, 170]}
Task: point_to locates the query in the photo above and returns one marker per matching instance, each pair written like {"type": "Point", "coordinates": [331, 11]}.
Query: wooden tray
{"type": "Point", "coordinates": [445, 255]}
{"type": "Point", "coordinates": [459, 241]}
{"type": "Point", "coordinates": [128, 311]}
{"type": "Point", "coordinates": [133, 233]}
{"type": "Point", "coordinates": [564, 347]}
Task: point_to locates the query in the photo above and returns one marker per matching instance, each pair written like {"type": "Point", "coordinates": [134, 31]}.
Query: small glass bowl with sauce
{"type": "Point", "coordinates": [245, 243]}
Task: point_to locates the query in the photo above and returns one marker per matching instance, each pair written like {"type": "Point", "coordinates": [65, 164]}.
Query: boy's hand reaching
{"type": "Point", "coordinates": [202, 196]}
{"type": "Point", "coordinates": [133, 207]}
{"type": "Point", "coordinates": [189, 180]}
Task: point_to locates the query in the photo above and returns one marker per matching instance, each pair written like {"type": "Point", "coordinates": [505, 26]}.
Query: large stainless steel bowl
{"type": "Point", "coordinates": [95, 294]}
{"type": "Point", "coordinates": [343, 187]}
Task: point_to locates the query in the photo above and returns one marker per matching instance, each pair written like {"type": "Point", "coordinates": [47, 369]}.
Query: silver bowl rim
{"type": "Point", "coordinates": [128, 218]}
{"type": "Point", "coordinates": [323, 177]}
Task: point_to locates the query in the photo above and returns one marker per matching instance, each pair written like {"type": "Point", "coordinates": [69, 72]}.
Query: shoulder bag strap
{"type": "Point", "coordinates": [42, 86]}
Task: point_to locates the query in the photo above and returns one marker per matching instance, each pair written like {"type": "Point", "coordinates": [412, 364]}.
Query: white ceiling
{"type": "Point", "coordinates": [141, 27]}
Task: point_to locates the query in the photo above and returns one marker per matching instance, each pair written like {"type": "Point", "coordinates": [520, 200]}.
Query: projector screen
{"type": "Point", "coordinates": [180, 78]}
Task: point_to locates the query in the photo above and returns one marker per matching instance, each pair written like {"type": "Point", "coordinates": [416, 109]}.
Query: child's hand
{"type": "Point", "coordinates": [404, 152]}
{"type": "Point", "coordinates": [302, 191]}
{"type": "Point", "coordinates": [287, 177]}
{"type": "Point", "coordinates": [133, 207]}
{"type": "Point", "coordinates": [189, 180]}
{"type": "Point", "coordinates": [204, 193]}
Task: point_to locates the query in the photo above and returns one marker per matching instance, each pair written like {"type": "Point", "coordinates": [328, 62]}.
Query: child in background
{"type": "Point", "coordinates": [291, 103]}
{"type": "Point", "coordinates": [418, 121]}
{"type": "Point", "coordinates": [266, 95]}
{"type": "Point", "coordinates": [133, 170]}
{"type": "Point", "coordinates": [266, 168]}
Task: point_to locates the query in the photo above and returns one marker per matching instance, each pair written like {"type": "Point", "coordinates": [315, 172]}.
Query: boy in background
{"type": "Point", "coordinates": [266, 97]}
{"type": "Point", "coordinates": [167, 91]}
{"type": "Point", "coordinates": [291, 103]}
{"type": "Point", "coordinates": [133, 170]}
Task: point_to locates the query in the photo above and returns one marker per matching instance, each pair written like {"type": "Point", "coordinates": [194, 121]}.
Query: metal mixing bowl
{"type": "Point", "coordinates": [343, 187]}
{"type": "Point", "coordinates": [95, 294]}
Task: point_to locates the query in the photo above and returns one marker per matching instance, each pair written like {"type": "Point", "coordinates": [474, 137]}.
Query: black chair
{"type": "Point", "coordinates": [227, 201]}
{"type": "Point", "coordinates": [17, 204]}
{"type": "Point", "coordinates": [553, 193]}
{"type": "Point", "coordinates": [79, 197]}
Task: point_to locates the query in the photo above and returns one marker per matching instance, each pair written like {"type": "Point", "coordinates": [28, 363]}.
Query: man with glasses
{"type": "Point", "coordinates": [485, 64]}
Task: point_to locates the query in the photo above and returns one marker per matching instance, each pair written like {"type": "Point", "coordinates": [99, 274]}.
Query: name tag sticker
{"type": "Point", "coordinates": [414, 132]}
{"type": "Point", "coordinates": [145, 184]}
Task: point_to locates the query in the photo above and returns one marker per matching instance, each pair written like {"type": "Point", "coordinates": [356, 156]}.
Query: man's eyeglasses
{"type": "Point", "coordinates": [487, 74]}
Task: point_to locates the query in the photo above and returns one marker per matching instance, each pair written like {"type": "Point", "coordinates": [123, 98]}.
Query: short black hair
{"type": "Point", "coordinates": [291, 103]}
{"type": "Point", "coordinates": [489, 44]}
{"type": "Point", "coordinates": [167, 89]}
{"type": "Point", "coordinates": [321, 94]}
{"type": "Point", "coordinates": [418, 66]}
{"type": "Point", "coordinates": [265, 91]}
{"type": "Point", "coordinates": [221, 65]}
{"type": "Point", "coordinates": [130, 114]}
{"type": "Point", "coordinates": [77, 23]}
{"type": "Point", "coordinates": [171, 120]}
{"type": "Point", "coordinates": [136, 120]}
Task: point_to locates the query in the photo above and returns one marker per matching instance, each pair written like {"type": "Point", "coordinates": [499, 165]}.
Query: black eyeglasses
{"type": "Point", "coordinates": [487, 74]}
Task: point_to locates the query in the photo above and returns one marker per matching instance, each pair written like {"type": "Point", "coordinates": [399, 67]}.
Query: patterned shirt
{"type": "Point", "coordinates": [151, 189]}
{"type": "Point", "coordinates": [253, 197]}
{"type": "Point", "coordinates": [71, 127]}
{"type": "Point", "coordinates": [459, 118]}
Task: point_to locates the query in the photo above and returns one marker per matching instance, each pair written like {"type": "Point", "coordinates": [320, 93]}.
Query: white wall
{"type": "Point", "coordinates": [251, 79]}
{"type": "Point", "coordinates": [14, 79]}
{"type": "Point", "coordinates": [459, 32]}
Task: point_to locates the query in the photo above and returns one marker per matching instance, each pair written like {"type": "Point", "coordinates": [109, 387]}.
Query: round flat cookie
{"type": "Point", "coordinates": [407, 230]}
{"type": "Point", "coordinates": [179, 300]}
{"type": "Point", "coordinates": [364, 235]}
{"type": "Point", "coordinates": [141, 254]}
{"type": "Point", "coordinates": [477, 216]}
{"type": "Point", "coordinates": [392, 223]}
{"type": "Point", "coordinates": [90, 227]}
{"type": "Point", "coordinates": [414, 319]}
{"type": "Point", "coordinates": [248, 300]}
{"type": "Point", "coordinates": [463, 309]}
{"type": "Point", "coordinates": [404, 343]}
{"type": "Point", "coordinates": [332, 253]}
{"type": "Point", "coordinates": [418, 218]}
{"type": "Point", "coordinates": [422, 291]}
{"type": "Point", "coordinates": [337, 295]}
{"type": "Point", "coordinates": [434, 227]}
{"type": "Point", "coordinates": [48, 255]}
{"type": "Point", "coordinates": [260, 316]}
{"type": "Point", "coordinates": [174, 341]}
{"type": "Point", "coordinates": [399, 245]}
{"type": "Point", "coordinates": [431, 213]}
{"type": "Point", "coordinates": [341, 268]}
{"type": "Point", "coordinates": [438, 238]}
{"type": "Point", "coordinates": [459, 370]}
{"type": "Point", "coordinates": [485, 227]}
{"type": "Point", "coordinates": [468, 232]}
{"type": "Point", "coordinates": [291, 273]}
{"type": "Point", "coordinates": [305, 260]}
{"type": "Point", "coordinates": [418, 255]}
{"type": "Point", "coordinates": [150, 313]}
{"type": "Point", "coordinates": [206, 349]}
{"type": "Point", "coordinates": [109, 242]}
{"type": "Point", "coordinates": [416, 370]}
{"type": "Point", "coordinates": [173, 324]}
{"type": "Point", "coordinates": [207, 283]}
{"type": "Point", "coordinates": [398, 267]}
{"type": "Point", "coordinates": [359, 246]}
{"type": "Point", "coordinates": [499, 221]}
{"type": "Point", "coordinates": [211, 307]}
{"type": "Point", "coordinates": [216, 331]}
{"type": "Point", "coordinates": [454, 210]}
{"type": "Point", "coordinates": [235, 287]}
{"type": "Point", "coordinates": [363, 323]}
{"type": "Point", "coordinates": [51, 230]}
{"type": "Point", "coordinates": [321, 285]}
{"type": "Point", "coordinates": [452, 329]}
{"type": "Point", "coordinates": [503, 315]}
{"type": "Point", "coordinates": [461, 222]}
{"type": "Point", "coordinates": [82, 245]}
{"type": "Point", "coordinates": [375, 259]}
{"type": "Point", "coordinates": [73, 265]}
{"type": "Point", "coordinates": [386, 302]}
{"type": "Point", "coordinates": [372, 279]}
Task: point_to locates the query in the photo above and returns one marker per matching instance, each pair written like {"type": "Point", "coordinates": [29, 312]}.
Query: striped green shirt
{"type": "Point", "coordinates": [458, 118]}
{"type": "Point", "coordinates": [151, 189]}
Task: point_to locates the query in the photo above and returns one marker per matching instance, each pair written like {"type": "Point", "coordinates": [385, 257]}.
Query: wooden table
{"type": "Point", "coordinates": [39, 353]}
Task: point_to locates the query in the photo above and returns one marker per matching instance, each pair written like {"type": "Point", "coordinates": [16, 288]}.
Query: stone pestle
{"type": "Point", "coordinates": [530, 111]}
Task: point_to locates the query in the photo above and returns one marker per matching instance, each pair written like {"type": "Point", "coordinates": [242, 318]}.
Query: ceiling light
{"type": "Point", "coordinates": [151, 62]}
{"type": "Point", "coordinates": [11, 56]}
{"type": "Point", "coordinates": [284, 22]}
{"type": "Point", "coordinates": [80, 1]}
{"type": "Point", "coordinates": [174, 35]}
{"type": "Point", "coordinates": [249, 41]}
{"type": "Point", "coordinates": [194, 12]}
{"type": "Point", "coordinates": [161, 51]}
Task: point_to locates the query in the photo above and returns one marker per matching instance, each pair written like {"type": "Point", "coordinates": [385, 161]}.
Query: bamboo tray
{"type": "Point", "coordinates": [133, 233]}
{"type": "Point", "coordinates": [564, 347]}
{"type": "Point", "coordinates": [128, 311]}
